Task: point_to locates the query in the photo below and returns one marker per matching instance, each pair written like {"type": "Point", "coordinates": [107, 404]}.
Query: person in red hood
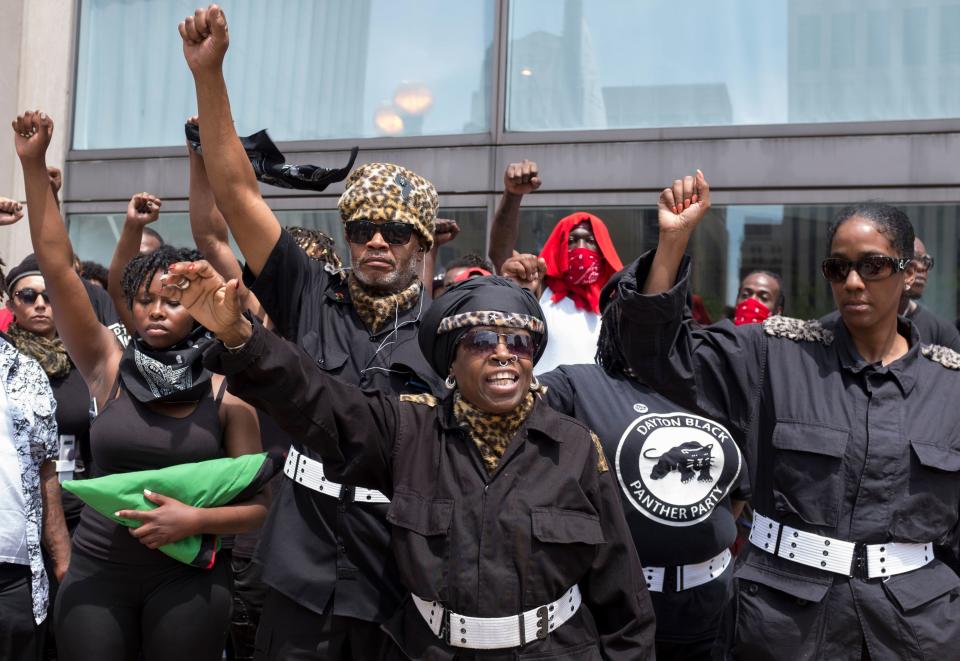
{"type": "Point", "coordinates": [574, 265]}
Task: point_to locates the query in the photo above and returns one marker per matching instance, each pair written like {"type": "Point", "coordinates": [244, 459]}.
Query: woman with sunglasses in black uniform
{"type": "Point", "coordinates": [852, 436]}
{"type": "Point", "coordinates": [507, 526]}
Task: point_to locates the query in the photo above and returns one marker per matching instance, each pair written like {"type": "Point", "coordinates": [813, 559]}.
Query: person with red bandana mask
{"type": "Point", "coordinates": [760, 296]}
{"type": "Point", "coordinates": [575, 263]}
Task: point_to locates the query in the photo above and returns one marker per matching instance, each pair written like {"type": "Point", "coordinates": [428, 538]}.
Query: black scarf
{"type": "Point", "coordinates": [175, 374]}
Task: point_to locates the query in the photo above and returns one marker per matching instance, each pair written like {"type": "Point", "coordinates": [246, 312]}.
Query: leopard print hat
{"type": "Point", "coordinates": [384, 191]}
{"type": "Point", "coordinates": [486, 301]}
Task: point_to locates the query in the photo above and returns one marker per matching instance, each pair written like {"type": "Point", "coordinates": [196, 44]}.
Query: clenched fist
{"type": "Point", "coordinates": [32, 133]}
{"type": "Point", "coordinates": [205, 39]}
{"type": "Point", "coordinates": [682, 206]}
{"type": "Point", "coordinates": [143, 209]}
{"type": "Point", "coordinates": [521, 178]}
{"type": "Point", "coordinates": [10, 211]}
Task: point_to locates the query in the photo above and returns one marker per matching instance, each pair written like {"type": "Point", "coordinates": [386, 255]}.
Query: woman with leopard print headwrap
{"type": "Point", "coordinates": [507, 524]}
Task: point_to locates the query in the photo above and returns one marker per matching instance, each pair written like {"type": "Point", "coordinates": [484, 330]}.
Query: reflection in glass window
{"type": "Point", "coordinates": [305, 69]}
{"type": "Point", "coordinates": [94, 236]}
{"type": "Point", "coordinates": [790, 240]}
{"type": "Point", "coordinates": [607, 64]}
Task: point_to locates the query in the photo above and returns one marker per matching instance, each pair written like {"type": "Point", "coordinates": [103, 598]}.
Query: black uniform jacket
{"type": "Point", "coordinates": [836, 446]}
{"type": "Point", "coordinates": [316, 549]}
{"type": "Point", "coordinates": [483, 546]}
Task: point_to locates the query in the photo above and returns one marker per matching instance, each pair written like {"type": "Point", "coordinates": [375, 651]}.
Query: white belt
{"type": "Point", "coordinates": [837, 555]}
{"type": "Point", "coordinates": [491, 633]}
{"type": "Point", "coordinates": [688, 576]}
{"type": "Point", "coordinates": [309, 472]}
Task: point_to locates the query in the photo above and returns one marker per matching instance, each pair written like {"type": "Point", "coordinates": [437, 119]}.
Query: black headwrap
{"type": "Point", "coordinates": [486, 301]}
{"type": "Point", "coordinates": [270, 165]}
{"type": "Point", "coordinates": [29, 266]}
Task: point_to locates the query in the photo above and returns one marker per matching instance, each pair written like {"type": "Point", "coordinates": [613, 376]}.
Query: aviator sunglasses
{"type": "Point", "coordinates": [484, 343]}
{"type": "Point", "coordinates": [872, 267]}
{"type": "Point", "coordinates": [29, 296]}
{"type": "Point", "coordinates": [393, 232]}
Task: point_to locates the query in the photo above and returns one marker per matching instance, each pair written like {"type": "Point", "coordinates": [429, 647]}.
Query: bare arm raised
{"type": "Point", "coordinates": [518, 180]}
{"type": "Point", "coordinates": [256, 229]}
{"type": "Point", "coordinates": [142, 210]}
{"type": "Point", "coordinates": [91, 345]}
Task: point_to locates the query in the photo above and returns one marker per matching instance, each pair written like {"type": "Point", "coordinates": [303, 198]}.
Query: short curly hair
{"type": "Point", "coordinates": [141, 269]}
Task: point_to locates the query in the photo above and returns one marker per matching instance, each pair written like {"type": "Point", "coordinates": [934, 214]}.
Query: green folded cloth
{"type": "Point", "coordinates": [202, 484]}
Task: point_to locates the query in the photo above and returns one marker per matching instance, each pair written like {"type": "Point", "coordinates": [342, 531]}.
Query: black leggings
{"type": "Point", "coordinates": [112, 612]}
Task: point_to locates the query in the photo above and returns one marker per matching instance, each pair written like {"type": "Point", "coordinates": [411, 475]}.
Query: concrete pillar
{"type": "Point", "coordinates": [35, 72]}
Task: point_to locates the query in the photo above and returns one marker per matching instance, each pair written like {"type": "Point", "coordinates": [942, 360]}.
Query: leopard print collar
{"type": "Point", "coordinates": [376, 311]}
{"type": "Point", "coordinates": [489, 432]}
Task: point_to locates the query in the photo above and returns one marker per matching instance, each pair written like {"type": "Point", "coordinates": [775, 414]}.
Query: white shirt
{"type": "Point", "coordinates": [572, 333]}
{"type": "Point", "coordinates": [13, 507]}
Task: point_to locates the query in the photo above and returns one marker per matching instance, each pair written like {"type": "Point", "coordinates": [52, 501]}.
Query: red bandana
{"type": "Point", "coordinates": [750, 311]}
{"type": "Point", "coordinates": [567, 274]}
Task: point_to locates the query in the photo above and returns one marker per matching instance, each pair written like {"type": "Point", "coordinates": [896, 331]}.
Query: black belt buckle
{"type": "Point", "coordinates": [347, 493]}
{"type": "Point", "coordinates": [859, 568]}
{"type": "Point", "coordinates": [542, 623]}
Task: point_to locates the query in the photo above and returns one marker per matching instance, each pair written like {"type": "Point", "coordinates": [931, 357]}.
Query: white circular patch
{"type": "Point", "coordinates": [676, 467]}
{"type": "Point", "coordinates": [640, 408]}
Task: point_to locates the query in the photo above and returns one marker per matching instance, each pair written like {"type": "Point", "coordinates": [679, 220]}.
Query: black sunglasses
{"type": "Point", "coordinates": [484, 343]}
{"type": "Point", "coordinates": [393, 232]}
{"type": "Point", "coordinates": [873, 267]}
{"type": "Point", "coordinates": [29, 295]}
{"type": "Point", "coordinates": [926, 262]}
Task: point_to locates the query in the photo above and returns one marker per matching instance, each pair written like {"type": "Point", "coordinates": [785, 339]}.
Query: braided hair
{"type": "Point", "coordinates": [142, 268]}
{"type": "Point", "coordinates": [609, 351]}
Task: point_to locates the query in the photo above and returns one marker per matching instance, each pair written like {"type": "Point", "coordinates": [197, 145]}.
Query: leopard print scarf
{"type": "Point", "coordinates": [376, 311]}
{"type": "Point", "coordinates": [491, 433]}
{"type": "Point", "coordinates": [51, 354]}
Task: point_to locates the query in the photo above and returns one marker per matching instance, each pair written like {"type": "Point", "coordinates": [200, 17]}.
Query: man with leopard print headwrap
{"type": "Point", "coordinates": [324, 547]}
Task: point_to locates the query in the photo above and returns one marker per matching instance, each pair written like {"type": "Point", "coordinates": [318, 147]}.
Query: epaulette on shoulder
{"type": "Point", "coordinates": [422, 398]}
{"type": "Point", "coordinates": [943, 355]}
{"type": "Point", "coordinates": [602, 466]}
{"type": "Point", "coordinates": [797, 330]}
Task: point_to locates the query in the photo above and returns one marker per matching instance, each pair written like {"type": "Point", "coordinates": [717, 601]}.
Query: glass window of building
{"type": "Point", "coordinates": [790, 240]}
{"type": "Point", "coordinates": [304, 69]}
{"type": "Point", "coordinates": [609, 64]}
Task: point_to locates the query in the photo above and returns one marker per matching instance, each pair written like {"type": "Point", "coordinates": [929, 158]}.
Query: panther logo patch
{"type": "Point", "coordinates": [676, 467]}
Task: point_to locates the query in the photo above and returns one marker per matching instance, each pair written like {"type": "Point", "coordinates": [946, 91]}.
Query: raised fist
{"type": "Point", "coordinates": [10, 211]}
{"type": "Point", "coordinates": [521, 178]}
{"type": "Point", "coordinates": [445, 231]}
{"type": "Point", "coordinates": [682, 206]}
{"type": "Point", "coordinates": [205, 39]}
{"type": "Point", "coordinates": [525, 270]}
{"type": "Point", "coordinates": [56, 179]}
{"type": "Point", "coordinates": [143, 209]}
{"type": "Point", "coordinates": [32, 133]}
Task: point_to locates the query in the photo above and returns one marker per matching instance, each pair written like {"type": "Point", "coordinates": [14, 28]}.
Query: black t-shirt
{"type": "Point", "coordinates": [933, 329]}
{"type": "Point", "coordinates": [106, 312]}
{"type": "Point", "coordinates": [73, 419]}
{"type": "Point", "coordinates": [677, 472]}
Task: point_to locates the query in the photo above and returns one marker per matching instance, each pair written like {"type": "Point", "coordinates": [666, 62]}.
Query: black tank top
{"type": "Point", "coordinates": [127, 436]}
{"type": "Point", "coordinates": [73, 418]}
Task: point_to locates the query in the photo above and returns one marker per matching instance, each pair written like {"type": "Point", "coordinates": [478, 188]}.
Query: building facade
{"type": "Point", "coordinates": [792, 108]}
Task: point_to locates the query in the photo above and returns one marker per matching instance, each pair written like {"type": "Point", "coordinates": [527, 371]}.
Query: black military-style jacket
{"type": "Point", "coordinates": [314, 547]}
{"type": "Point", "coordinates": [484, 546]}
{"type": "Point", "coordinates": [836, 446]}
